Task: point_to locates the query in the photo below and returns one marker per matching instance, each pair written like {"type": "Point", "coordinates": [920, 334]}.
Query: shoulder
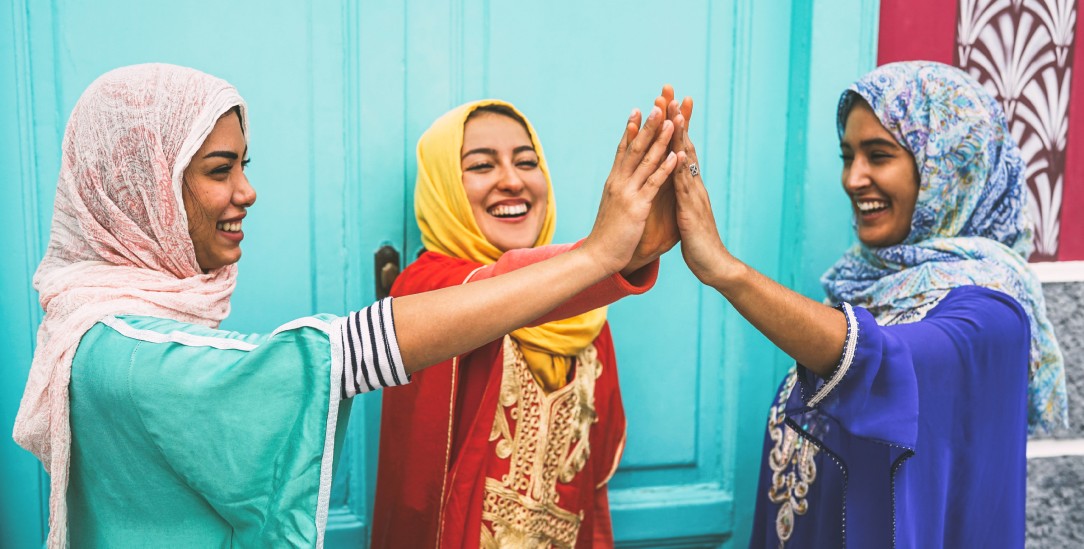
{"type": "Point", "coordinates": [117, 333]}
{"type": "Point", "coordinates": [981, 305]}
{"type": "Point", "coordinates": [976, 318]}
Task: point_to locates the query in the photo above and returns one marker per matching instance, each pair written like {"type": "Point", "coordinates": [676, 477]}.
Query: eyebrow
{"type": "Point", "coordinates": [224, 154]}
{"type": "Point", "coordinates": [493, 152]}
{"type": "Point", "coordinates": [874, 142]}
{"type": "Point", "coordinates": [221, 154]}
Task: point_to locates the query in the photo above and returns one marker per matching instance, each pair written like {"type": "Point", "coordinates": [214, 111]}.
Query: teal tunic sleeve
{"type": "Point", "coordinates": [184, 436]}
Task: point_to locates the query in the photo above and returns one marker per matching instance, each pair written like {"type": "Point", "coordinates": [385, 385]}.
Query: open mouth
{"type": "Point", "coordinates": [870, 207]}
{"type": "Point", "coordinates": [229, 226]}
{"type": "Point", "coordinates": [509, 211]}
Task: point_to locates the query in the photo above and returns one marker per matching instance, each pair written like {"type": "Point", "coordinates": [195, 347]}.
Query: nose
{"type": "Point", "coordinates": [856, 176]}
{"type": "Point", "coordinates": [244, 194]}
{"type": "Point", "coordinates": [510, 180]}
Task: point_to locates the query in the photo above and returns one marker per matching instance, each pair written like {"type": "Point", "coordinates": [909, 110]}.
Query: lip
{"type": "Point", "coordinates": [232, 219]}
{"type": "Point", "coordinates": [870, 216]}
{"type": "Point", "coordinates": [234, 237]}
{"type": "Point", "coordinates": [510, 202]}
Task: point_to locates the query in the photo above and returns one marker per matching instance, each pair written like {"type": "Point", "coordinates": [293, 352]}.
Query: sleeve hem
{"type": "Point", "coordinates": [639, 282]}
{"type": "Point", "coordinates": [371, 351]}
{"type": "Point", "coordinates": [845, 361]}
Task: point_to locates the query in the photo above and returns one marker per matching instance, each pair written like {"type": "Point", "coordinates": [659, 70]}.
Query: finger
{"type": "Point", "coordinates": [682, 142]}
{"type": "Point", "coordinates": [661, 174]}
{"type": "Point", "coordinates": [690, 148]}
{"type": "Point", "coordinates": [640, 144]}
{"type": "Point", "coordinates": [661, 103]}
{"type": "Point", "coordinates": [655, 154]}
{"type": "Point", "coordinates": [632, 127]}
{"type": "Point", "coordinates": [667, 93]}
{"type": "Point", "coordinates": [684, 180]}
{"type": "Point", "coordinates": [672, 109]}
{"type": "Point", "coordinates": [689, 191]}
{"type": "Point", "coordinates": [687, 109]}
{"type": "Point", "coordinates": [678, 142]}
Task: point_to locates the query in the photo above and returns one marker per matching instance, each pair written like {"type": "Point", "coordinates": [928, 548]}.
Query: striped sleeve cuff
{"type": "Point", "coordinates": [371, 358]}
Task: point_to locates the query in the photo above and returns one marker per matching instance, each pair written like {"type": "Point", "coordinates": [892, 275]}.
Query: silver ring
{"type": "Point", "coordinates": [694, 170]}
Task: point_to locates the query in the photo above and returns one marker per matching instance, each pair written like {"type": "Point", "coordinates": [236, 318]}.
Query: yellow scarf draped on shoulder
{"type": "Point", "coordinates": [448, 227]}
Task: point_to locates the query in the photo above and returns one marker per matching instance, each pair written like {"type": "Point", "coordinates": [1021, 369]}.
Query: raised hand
{"type": "Point", "coordinates": [661, 232]}
{"type": "Point", "coordinates": [701, 246]}
{"type": "Point", "coordinates": [641, 166]}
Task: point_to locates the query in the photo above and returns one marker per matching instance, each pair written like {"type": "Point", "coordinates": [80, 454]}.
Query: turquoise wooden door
{"type": "Point", "coordinates": [339, 94]}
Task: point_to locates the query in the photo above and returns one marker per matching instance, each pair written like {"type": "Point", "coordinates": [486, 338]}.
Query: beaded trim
{"type": "Point", "coordinates": [844, 361]}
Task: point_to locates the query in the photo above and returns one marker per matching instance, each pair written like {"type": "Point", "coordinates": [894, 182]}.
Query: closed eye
{"type": "Point", "coordinates": [481, 166]}
{"type": "Point", "coordinates": [223, 169]}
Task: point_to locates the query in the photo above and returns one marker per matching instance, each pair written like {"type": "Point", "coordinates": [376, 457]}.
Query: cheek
{"type": "Point", "coordinates": [192, 210]}
{"type": "Point", "coordinates": [538, 189]}
{"type": "Point", "coordinates": [476, 189]}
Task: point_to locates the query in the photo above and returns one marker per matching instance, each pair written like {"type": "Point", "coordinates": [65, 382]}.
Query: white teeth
{"type": "Point", "coordinates": [871, 205]}
{"type": "Point", "coordinates": [508, 211]}
{"type": "Point", "coordinates": [231, 227]}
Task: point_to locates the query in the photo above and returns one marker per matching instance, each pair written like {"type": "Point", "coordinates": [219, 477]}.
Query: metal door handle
{"type": "Point", "coordinates": [385, 269]}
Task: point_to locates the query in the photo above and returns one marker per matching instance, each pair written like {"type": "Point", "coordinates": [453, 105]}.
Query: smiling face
{"type": "Point", "coordinates": [505, 186]}
{"type": "Point", "coordinates": [880, 177]}
{"type": "Point", "coordinates": [217, 194]}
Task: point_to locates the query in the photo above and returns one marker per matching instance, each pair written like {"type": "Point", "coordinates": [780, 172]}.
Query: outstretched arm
{"type": "Point", "coordinates": [810, 332]}
{"type": "Point", "coordinates": [434, 326]}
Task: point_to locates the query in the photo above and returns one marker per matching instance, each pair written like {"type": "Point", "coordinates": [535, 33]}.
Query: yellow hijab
{"type": "Point", "coordinates": [448, 227]}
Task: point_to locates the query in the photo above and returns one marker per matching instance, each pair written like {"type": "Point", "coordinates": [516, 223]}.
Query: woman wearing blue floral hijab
{"type": "Point", "coordinates": [905, 420]}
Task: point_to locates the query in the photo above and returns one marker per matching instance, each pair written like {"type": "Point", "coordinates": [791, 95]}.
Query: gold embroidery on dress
{"type": "Point", "coordinates": [793, 466]}
{"type": "Point", "coordinates": [549, 443]}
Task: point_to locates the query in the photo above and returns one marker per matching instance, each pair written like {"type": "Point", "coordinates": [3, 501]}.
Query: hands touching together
{"type": "Point", "coordinates": [810, 332]}
{"type": "Point", "coordinates": [681, 209]}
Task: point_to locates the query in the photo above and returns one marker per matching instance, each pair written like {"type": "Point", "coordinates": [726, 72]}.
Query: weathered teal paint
{"type": "Point", "coordinates": [339, 94]}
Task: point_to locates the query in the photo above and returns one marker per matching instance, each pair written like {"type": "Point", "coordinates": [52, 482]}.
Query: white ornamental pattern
{"type": "Point", "coordinates": [1022, 52]}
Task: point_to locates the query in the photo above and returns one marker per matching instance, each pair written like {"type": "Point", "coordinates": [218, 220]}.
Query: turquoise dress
{"type": "Point", "coordinates": [186, 436]}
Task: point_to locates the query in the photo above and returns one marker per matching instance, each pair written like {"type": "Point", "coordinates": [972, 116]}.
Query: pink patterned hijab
{"type": "Point", "coordinates": [119, 242]}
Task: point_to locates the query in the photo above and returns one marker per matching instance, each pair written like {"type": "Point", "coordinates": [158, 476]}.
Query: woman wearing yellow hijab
{"type": "Point", "coordinates": [521, 435]}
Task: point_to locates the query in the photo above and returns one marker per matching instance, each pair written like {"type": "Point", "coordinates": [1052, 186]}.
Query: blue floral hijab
{"type": "Point", "coordinates": [969, 225]}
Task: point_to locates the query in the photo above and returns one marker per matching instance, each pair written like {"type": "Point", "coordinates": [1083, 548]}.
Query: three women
{"type": "Point", "coordinates": [904, 423]}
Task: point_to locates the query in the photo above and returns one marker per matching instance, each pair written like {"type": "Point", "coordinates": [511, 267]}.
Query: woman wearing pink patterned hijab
{"type": "Point", "coordinates": [159, 429]}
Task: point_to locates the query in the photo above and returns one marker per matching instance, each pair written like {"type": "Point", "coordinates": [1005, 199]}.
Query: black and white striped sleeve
{"type": "Point", "coordinates": [370, 351]}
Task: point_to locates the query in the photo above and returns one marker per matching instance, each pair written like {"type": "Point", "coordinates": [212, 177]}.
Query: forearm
{"type": "Point", "coordinates": [810, 332]}
{"type": "Point", "coordinates": [435, 326]}
{"type": "Point", "coordinates": [601, 294]}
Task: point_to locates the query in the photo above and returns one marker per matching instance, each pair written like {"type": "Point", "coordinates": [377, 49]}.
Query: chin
{"type": "Point", "coordinates": [507, 242]}
{"type": "Point", "coordinates": [230, 260]}
{"type": "Point", "coordinates": [507, 245]}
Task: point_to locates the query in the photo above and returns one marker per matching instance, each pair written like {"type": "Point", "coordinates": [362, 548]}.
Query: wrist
{"type": "Point", "coordinates": [638, 262]}
{"type": "Point", "coordinates": [594, 263]}
{"type": "Point", "coordinates": [728, 274]}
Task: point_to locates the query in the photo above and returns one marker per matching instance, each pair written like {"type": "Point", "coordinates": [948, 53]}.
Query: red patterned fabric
{"type": "Point", "coordinates": [436, 449]}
